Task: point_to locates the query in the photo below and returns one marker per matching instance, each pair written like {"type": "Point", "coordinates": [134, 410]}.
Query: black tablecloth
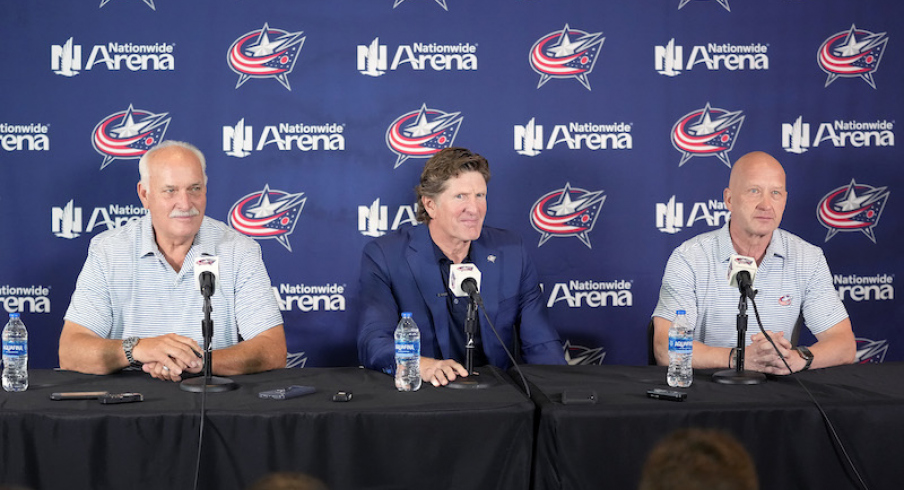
{"type": "Point", "coordinates": [605, 445]}
{"type": "Point", "coordinates": [382, 439]}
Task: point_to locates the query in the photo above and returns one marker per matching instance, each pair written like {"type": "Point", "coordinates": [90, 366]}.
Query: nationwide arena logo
{"type": "Point", "coordinates": [129, 134]}
{"type": "Point", "coordinates": [265, 53]}
{"type": "Point", "coordinates": [670, 216]}
{"type": "Point", "coordinates": [569, 53]}
{"type": "Point", "coordinates": [422, 133]}
{"type": "Point", "coordinates": [530, 139]}
{"type": "Point", "coordinates": [851, 54]}
{"type": "Point", "coordinates": [566, 213]}
{"type": "Point", "coordinates": [25, 137]}
{"type": "Point", "coordinates": [305, 298]}
{"type": "Point", "coordinates": [714, 56]}
{"type": "Point", "coordinates": [878, 287]}
{"type": "Point", "coordinates": [723, 3]}
{"type": "Point", "coordinates": [238, 140]}
{"type": "Point", "coordinates": [841, 134]}
{"type": "Point", "coordinates": [67, 220]}
{"type": "Point", "coordinates": [66, 59]}
{"type": "Point", "coordinates": [871, 351]}
{"type": "Point", "coordinates": [579, 355]}
{"type": "Point", "coordinates": [268, 214]}
{"type": "Point", "coordinates": [707, 132]}
{"type": "Point", "coordinates": [31, 299]}
{"type": "Point", "coordinates": [853, 207]}
{"type": "Point", "coordinates": [149, 3]}
{"type": "Point", "coordinates": [592, 294]}
{"type": "Point", "coordinates": [373, 220]}
{"type": "Point", "coordinates": [441, 3]}
{"type": "Point", "coordinates": [373, 60]}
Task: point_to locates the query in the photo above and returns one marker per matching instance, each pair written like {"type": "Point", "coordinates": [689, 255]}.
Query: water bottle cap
{"type": "Point", "coordinates": [13, 315]}
{"type": "Point", "coordinates": [406, 314]}
{"type": "Point", "coordinates": [681, 312]}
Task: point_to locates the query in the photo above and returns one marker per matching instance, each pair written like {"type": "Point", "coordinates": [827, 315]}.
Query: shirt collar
{"type": "Point", "coordinates": [778, 246]}
{"type": "Point", "coordinates": [204, 242]}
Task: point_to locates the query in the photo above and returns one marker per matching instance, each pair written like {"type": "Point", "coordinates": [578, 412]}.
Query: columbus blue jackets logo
{"type": "Point", "coordinates": [569, 53]}
{"type": "Point", "coordinates": [871, 351]}
{"type": "Point", "coordinates": [265, 53]}
{"type": "Point", "coordinates": [442, 3]}
{"type": "Point", "coordinates": [268, 214]}
{"type": "Point", "coordinates": [422, 133]}
{"type": "Point", "coordinates": [723, 3]}
{"type": "Point", "coordinates": [853, 207]}
{"type": "Point", "coordinates": [150, 3]}
{"type": "Point", "coordinates": [129, 134]}
{"type": "Point", "coordinates": [852, 53]}
{"type": "Point", "coordinates": [566, 212]}
{"type": "Point", "coordinates": [579, 355]}
{"type": "Point", "coordinates": [707, 132]}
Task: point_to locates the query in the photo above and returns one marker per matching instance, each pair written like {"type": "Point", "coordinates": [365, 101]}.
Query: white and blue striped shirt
{"type": "Point", "coordinates": [792, 278]}
{"type": "Point", "coordinates": [127, 288]}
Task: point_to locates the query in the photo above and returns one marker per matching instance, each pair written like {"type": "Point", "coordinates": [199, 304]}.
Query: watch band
{"type": "Point", "coordinates": [127, 346]}
{"type": "Point", "coordinates": [806, 355]}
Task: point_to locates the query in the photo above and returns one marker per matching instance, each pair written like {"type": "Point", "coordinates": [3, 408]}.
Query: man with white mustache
{"type": "Point", "coordinates": [136, 303]}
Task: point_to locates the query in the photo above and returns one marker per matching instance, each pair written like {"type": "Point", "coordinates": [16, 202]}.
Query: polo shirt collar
{"type": "Point", "coordinates": [778, 247]}
{"type": "Point", "coordinates": [204, 242]}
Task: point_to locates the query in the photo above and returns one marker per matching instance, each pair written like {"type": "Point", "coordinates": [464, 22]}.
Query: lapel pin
{"type": "Point", "coordinates": [491, 258]}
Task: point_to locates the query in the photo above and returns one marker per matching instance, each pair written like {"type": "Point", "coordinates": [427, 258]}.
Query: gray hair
{"type": "Point", "coordinates": [143, 162]}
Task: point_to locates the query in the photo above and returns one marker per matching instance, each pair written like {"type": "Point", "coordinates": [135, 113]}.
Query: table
{"type": "Point", "coordinates": [605, 445]}
{"type": "Point", "coordinates": [449, 438]}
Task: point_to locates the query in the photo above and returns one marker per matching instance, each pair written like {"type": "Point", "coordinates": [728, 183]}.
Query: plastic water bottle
{"type": "Point", "coordinates": [407, 354]}
{"type": "Point", "coordinates": [15, 355]}
{"type": "Point", "coordinates": [681, 351]}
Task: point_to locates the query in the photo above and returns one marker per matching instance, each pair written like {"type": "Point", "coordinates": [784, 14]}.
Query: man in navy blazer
{"type": "Point", "coordinates": [408, 270]}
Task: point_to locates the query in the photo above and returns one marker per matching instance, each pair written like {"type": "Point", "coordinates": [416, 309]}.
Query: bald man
{"type": "Point", "coordinates": [136, 304]}
{"type": "Point", "coordinates": [792, 278]}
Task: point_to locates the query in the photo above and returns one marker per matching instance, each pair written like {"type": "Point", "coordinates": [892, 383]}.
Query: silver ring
{"type": "Point", "coordinates": [165, 368]}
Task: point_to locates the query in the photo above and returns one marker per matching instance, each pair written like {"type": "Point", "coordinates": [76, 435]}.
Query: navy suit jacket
{"type": "Point", "coordinates": [399, 272]}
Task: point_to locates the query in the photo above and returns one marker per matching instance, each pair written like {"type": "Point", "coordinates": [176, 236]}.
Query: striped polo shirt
{"type": "Point", "coordinates": [793, 277]}
{"type": "Point", "coordinates": [127, 288]}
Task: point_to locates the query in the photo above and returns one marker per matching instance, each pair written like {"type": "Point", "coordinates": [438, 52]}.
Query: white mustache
{"type": "Point", "coordinates": [184, 214]}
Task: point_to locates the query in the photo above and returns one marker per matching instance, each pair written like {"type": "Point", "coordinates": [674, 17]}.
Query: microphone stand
{"type": "Point", "coordinates": [208, 383]}
{"type": "Point", "coordinates": [472, 381]}
{"type": "Point", "coordinates": [738, 376]}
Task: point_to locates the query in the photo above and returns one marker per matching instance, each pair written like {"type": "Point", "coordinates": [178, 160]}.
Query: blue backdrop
{"type": "Point", "coordinates": [629, 113]}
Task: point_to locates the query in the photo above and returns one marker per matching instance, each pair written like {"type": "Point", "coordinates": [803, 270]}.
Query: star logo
{"type": "Point", "coordinates": [723, 3]}
{"type": "Point", "coordinates": [129, 134]}
{"type": "Point", "coordinates": [268, 214]}
{"type": "Point", "coordinates": [853, 207]}
{"type": "Point", "coordinates": [422, 133]}
{"type": "Point", "coordinates": [566, 212]}
{"type": "Point", "coordinates": [569, 53]}
{"type": "Point", "coordinates": [265, 53]}
{"type": "Point", "coordinates": [442, 3]}
{"type": "Point", "coordinates": [579, 355]}
{"type": "Point", "coordinates": [707, 132]}
{"type": "Point", "coordinates": [851, 54]}
{"type": "Point", "coordinates": [149, 3]}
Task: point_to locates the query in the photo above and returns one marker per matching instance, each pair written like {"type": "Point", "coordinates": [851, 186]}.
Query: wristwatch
{"type": "Point", "coordinates": [127, 346]}
{"type": "Point", "coordinates": [806, 355]}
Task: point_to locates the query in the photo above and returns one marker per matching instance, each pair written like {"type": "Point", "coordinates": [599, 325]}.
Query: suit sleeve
{"type": "Point", "coordinates": [379, 312]}
{"type": "Point", "coordinates": [540, 343]}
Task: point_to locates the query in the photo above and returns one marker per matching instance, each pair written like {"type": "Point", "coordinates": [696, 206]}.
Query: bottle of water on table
{"type": "Point", "coordinates": [407, 354]}
{"type": "Point", "coordinates": [15, 355]}
{"type": "Point", "coordinates": [681, 350]}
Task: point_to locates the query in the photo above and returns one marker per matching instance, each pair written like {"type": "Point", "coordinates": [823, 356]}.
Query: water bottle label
{"type": "Point", "coordinates": [684, 346]}
{"type": "Point", "coordinates": [408, 348]}
{"type": "Point", "coordinates": [15, 349]}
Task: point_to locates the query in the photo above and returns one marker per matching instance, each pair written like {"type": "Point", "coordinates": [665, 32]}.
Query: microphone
{"type": "Point", "coordinates": [207, 273]}
{"type": "Point", "coordinates": [741, 272]}
{"type": "Point", "coordinates": [464, 280]}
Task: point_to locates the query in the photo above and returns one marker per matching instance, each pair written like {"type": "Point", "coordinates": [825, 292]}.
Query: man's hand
{"type": "Point", "coordinates": [439, 372]}
{"type": "Point", "coordinates": [761, 356]}
{"type": "Point", "coordinates": [168, 356]}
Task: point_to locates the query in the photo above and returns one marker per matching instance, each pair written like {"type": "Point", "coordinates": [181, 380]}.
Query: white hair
{"type": "Point", "coordinates": [143, 162]}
